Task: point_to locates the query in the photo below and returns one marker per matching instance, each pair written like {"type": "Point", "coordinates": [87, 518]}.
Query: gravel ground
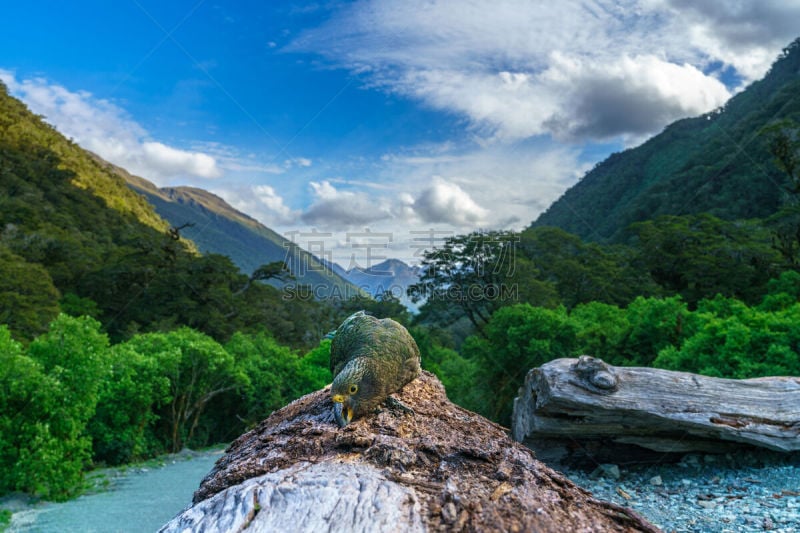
{"type": "Point", "coordinates": [747, 492]}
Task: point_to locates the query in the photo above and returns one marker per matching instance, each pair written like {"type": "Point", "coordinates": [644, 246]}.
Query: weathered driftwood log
{"type": "Point", "coordinates": [575, 403]}
{"type": "Point", "coordinates": [439, 468]}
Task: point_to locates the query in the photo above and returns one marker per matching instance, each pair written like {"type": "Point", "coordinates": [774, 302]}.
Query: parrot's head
{"type": "Point", "coordinates": [353, 391]}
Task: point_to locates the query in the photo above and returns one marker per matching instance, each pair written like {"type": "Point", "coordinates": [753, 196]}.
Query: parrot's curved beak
{"type": "Point", "coordinates": [341, 412]}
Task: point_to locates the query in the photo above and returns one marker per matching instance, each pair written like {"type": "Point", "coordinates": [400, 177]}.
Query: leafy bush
{"type": "Point", "coordinates": [21, 386]}
{"type": "Point", "coordinates": [122, 428]}
{"type": "Point", "coordinates": [601, 330]}
{"type": "Point", "coordinates": [54, 448]}
{"type": "Point", "coordinates": [655, 324]}
{"type": "Point", "coordinates": [736, 341]}
{"type": "Point", "coordinates": [197, 369]}
{"type": "Point", "coordinates": [782, 292]}
{"type": "Point", "coordinates": [276, 374]}
{"type": "Point", "coordinates": [518, 338]}
{"type": "Point", "coordinates": [314, 369]}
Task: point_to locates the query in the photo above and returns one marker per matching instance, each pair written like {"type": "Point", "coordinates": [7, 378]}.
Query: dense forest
{"type": "Point", "coordinates": [119, 340]}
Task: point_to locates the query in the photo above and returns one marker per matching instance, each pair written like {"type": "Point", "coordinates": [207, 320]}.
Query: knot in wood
{"type": "Point", "coordinates": [596, 372]}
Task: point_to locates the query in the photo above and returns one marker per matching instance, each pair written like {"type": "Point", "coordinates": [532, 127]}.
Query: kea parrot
{"type": "Point", "coordinates": [370, 359]}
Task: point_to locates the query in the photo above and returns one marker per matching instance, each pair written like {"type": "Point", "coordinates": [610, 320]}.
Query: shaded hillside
{"type": "Point", "coordinates": [218, 228]}
{"type": "Point", "coordinates": [717, 163]}
{"type": "Point", "coordinates": [75, 238]}
{"type": "Point", "coordinates": [62, 216]}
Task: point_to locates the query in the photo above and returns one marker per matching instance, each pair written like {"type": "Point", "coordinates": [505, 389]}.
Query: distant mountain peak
{"type": "Point", "coordinates": [391, 275]}
{"type": "Point", "coordinates": [388, 267]}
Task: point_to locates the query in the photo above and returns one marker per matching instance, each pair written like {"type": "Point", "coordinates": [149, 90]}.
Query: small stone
{"type": "Point", "coordinates": [606, 470]}
{"type": "Point", "coordinates": [767, 523]}
{"type": "Point", "coordinates": [656, 480]}
{"type": "Point", "coordinates": [449, 512]}
{"type": "Point", "coordinates": [503, 474]}
{"type": "Point", "coordinates": [707, 504]}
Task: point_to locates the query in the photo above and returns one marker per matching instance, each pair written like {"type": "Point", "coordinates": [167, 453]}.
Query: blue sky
{"type": "Point", "coordinates": [393, 116]}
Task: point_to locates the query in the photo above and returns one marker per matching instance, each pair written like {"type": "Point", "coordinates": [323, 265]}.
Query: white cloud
{"type": "Point", "coordinates": [443, 191]}
{"type": "Point", "coordinates": [446, 202]}
{"type": "Point", "coordinates": [273, 201]}
{"type": "Point", "coordinates": [261, 202]}
{"type": "Point", "coordinates": [106, 129]}
{"type": "Point", "coordinates": [518, 69]}
{"type": "Point", "coordinates": [298, 161]}
{"type": "Point", "coordinates": [512, 183]}
{"type": "Point", "coordinates": [744, 34]}
{"type": "Point", "coordinates": [632, 96]}
{"type": "Point", "coordinates": [175, 162]}
{"type": "Point", "coordinates": [497, 186]}
{"type": "Point", "coordinates": [334, 209]}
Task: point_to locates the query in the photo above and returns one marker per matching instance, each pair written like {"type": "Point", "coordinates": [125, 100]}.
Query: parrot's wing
{"type": "Point", "coordinates": [344, 339]}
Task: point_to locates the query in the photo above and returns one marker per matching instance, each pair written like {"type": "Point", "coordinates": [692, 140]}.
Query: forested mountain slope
{"type": "Point", "coordinates": [75, 238]}
{"type": "Point", "coordinates": [717, 163]}
{"type": "Point", "coordinates": [216, 227]}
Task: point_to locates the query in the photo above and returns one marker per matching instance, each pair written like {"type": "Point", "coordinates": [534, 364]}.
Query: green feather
{"type": "Point", "coordinates": [377, 356]}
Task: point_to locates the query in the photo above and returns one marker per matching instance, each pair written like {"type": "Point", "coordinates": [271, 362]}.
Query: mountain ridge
{"type": "Point", "coordinates": [714, 163]}
{"type": "Point", "coordinates": [217, 227]}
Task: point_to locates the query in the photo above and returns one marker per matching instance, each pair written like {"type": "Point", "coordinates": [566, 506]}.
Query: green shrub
{"type": "Point", "coordinates": [55, 447]}
{"type": "Point", "coordinates": [122, 428]}
{"type": "Point", "coordinates": [518, 338]}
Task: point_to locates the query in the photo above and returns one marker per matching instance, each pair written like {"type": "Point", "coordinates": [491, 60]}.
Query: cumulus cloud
{"type": "Point", "coordinates": [173, 161]}
{"type": "Point", "coordinates": [336, 209]}
{"type": "Point", "coordinates": [262, 202]}
{"type": "Point", "coordinates": [274, 202]}
{"type": "Point", "coordinates": [448, 203]}
{"type": "Point", "coordinates": [633, 96]}
{"type": "Point", "coordinates": [518, 69]}
{"type": "Point", "coordinates": [106, 129]}
{"type": "Point", "coordinates": [743, 34]}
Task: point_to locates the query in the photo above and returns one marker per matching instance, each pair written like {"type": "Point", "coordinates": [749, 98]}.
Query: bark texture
{"type": "Point", "coordinates": [439, 468]}
{"type": "Point", "coordinates": [585, 403]}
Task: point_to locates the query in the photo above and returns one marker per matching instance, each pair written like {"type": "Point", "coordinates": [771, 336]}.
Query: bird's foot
{"type": "Point", "coordinates": [393, 403]}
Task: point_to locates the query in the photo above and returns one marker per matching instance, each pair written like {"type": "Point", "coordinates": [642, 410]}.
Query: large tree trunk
{"type": "Point", "coordinates": [583, 405]}
{"type": "Point", "coordinates": [439, 468]}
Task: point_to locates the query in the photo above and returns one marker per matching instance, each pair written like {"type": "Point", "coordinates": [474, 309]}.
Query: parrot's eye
{"type": "Point", "coordinates": [353, 389]}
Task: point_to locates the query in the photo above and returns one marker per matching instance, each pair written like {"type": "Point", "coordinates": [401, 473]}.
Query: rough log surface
{"type": "Point", "coordinates": [440, 468]}
{"type": "Point", "coordinates": [569, 400]}
{"type": "Point", "coordinates": [304, 497]}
